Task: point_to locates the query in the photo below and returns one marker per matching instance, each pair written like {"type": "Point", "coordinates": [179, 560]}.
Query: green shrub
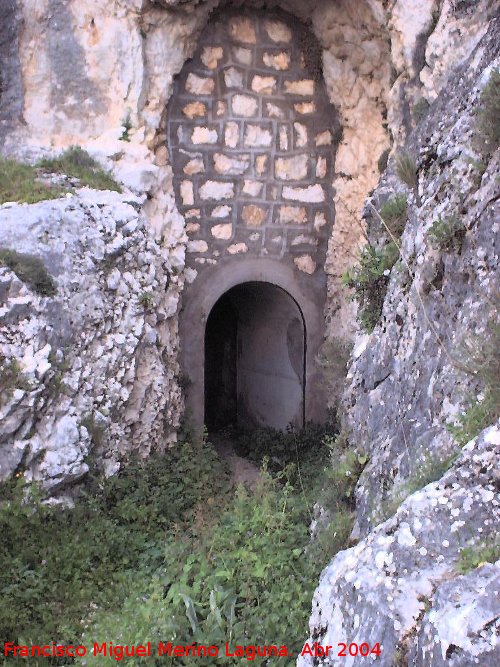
{"type": "Point", "coordinates": [479, 414]}
{"type": "Point", "coordinates": [127, 126]}
{"type": "Point", "coordinates": [78, 163]}
{"type": "Point", "coordinates": [11, 378]}
{"type": "Point", "coordinates": [369, 281]}
{"type": "Point", "coordinates": [393, 213]}
{"type": "Point", "coordinates": [486, 551]}
{"type": "Point", "coordinates": [146, 299]}
{"type": "Point", "coordinates": [30, 269]}
{"type": "Point", "coordinates": [488, 115]}
{"type": "Point", "coordinates": [447, 233]}
{"type": "Point", "coordinates": [19, 183]}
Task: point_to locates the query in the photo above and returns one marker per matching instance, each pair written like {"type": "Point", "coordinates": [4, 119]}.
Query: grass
{"type": "Point", "coordinates": [30, 269]}
{"type": "Point", "coordinates": [393, 213]}
{"type": "Point", "coordinates": [166, 551]}
{"type": "Point", "coordinates": [77, 163]}
{"type": "Point", "coordinates": [19, 183]}
{"type": "Point", "coordinates": [406, 170]}
{"type": "Point", "coordinates": [447, 234]}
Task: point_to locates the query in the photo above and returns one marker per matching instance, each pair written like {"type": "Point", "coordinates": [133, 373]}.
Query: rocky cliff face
{"type": "Point", "coordinates": [410, 379]}
{"type": "Point", "coordinates": [88, 366]}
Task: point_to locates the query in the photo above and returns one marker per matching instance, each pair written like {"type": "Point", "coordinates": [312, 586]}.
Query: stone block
{"type": "Point", "coordinates": [300, 135]}
{"type": "Point", "coordinates": [304, 239]}
{"type": "Point", "coordinates": [302, 87]}
{"type": "Point", "coordinates": [197, 246]}
{"type": "Point", "coordinates": [257, 136]}
{"type": "Point", "coordinates": [283, 138]}
{"type": "Point", "coordinates": [192, 213]}
{"type": "Point", "coordinates": [274, 111]}
{"type": "Point", "coordinates": [252, 188]}
{"type": "Point", "coordinates": [237, 249]}
{"type": "Point", "coordinates": [223, 231]}
{"type": "Point", "coordinates": [242, 29]}
{"type": "Point", "coordinates": [204, 135]}
{"type": "Point", "coordinates": [221, 108]}
{"type": "Point", "coordinates": [279, 61]}
{"type": "Point", "coordinates": [194, 166]}
{"type": "Point", "coordinates": [211, 55]}
{"type": "Point", "coordinates": [324, 138]}
{"type": "Point", "coordinates": [291, 169]}
{"type": "Point", "coordinates": [261, 164]}
{"type": "Point", "coordinates": [199, 85]}
{"type": "Point", "coordinates": [242, 56]}
{"type": "Point", "coordinates": [195, 110]}
{"type": "Point", "coordinates": [305, 108]}
{"type": "Point", "coordinates": [244, 105]}
{"type": "Point", "coordinates": [321, 167]}
{"type": "Point", "coordinates": [231, 134]}
{"type": "Point", "coordinates": [313, 194]}
{"type": "Point", "coordinates": [192, 227]}
{"type": "Point", "coordinates": [306, 264]}
{"type": "Point", "coordinates": [319, 220]}
{"type": "Point", "coordinates": [187, 194]}
{"type": "Point", "coordinates": [278, 31]}
{"type": "Point", "coordinates": [224, 164]}
{"type": "Point", "coordinates": [221, 212]}
{"type": "Point", "coordinates": [295, 215]}
{"type": "Point", "coordinates": [233, 78]}
{"type": "Point", "coordinates": [253, 216]}
{"type": "Point", "coordinates": [263, 85]}
{"type": "Point", "coordinates": [216, 190]}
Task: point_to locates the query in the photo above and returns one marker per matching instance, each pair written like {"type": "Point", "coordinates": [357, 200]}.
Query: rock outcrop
{"type": "Point", "coordinates": [88, 368]}
{"type": "Point", "coordinates": [405, 583]}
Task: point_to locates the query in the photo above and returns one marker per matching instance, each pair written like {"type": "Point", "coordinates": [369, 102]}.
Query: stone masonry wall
{"type": "Point", "coordinates": [252, 143]}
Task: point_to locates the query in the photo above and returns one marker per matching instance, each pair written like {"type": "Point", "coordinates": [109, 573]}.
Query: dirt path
{"type": "Point", "coordinates": [243, 471]}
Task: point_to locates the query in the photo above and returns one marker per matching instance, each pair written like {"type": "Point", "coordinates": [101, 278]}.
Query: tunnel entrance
{"type": "Point", "coordinates": [254, 359]}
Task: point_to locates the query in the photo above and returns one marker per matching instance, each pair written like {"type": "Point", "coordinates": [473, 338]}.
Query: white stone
{"type": "Point", "coordinates": [222, 231]}
{"type": "Point", "coordinates": [256, 136]}
{"type": "Point", "coordinates": [221, 212]}
{"type": "Point", "coordinates": [306, 264]}
{"type": "Point", "coordinates": [216, 190]}
{"type": "Point", "coordinates": [312, 194]}
{"type": "Point", "coordinates": [197, 246]}
{"type": "Point", "coordinates": [187, 193]}
{"type": "Point", "coordinates": [244, 105]}
{"type": "Point", "coordinates": [203, 135]}
{"type": "Point", "coordinates": [237, 249]}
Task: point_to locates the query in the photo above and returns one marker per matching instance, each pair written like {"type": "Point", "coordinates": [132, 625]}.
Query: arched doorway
{"type": "Point", "coordinates": [255, 352]}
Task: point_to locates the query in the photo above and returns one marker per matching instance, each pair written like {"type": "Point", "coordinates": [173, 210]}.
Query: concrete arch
{"type": "Point", "coordinates": [217, 281]}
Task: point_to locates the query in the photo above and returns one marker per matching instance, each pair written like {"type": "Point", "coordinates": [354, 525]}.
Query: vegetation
{"type": "Point", "coordinates": [20, 183]}
{"type": "Point", "coordinates": [486, 551]}
{"type": "Point", "coordinates": [480, 358]}
{"type": "Point", "coordinates": [127, 126]}
{"type": "Point", "coordinates": [406, 170]}
{"type": "Point", "coordinates": [146, 299]}
{"type": "Point", "coordinates": [11, 378]}
{"type": "Point", "coordinates": [447, 233]}
{"type": "Point", "coordinates": [393, 213]}
{"type": "Point", "coordinates": [166, 552]}
{"type": "Point", "coordinates": [30, 269]}
{"type": "Point", "coordinates": [488, 116]}
{"type": "Point", "coordinates": [432, 469]}
{"type": "Point", "coordinates": [78, 163]}
{"type": "Point", "coordinates": [369, 280]}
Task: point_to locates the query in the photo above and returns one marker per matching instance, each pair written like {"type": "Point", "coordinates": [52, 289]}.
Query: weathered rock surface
{"type": "Point", "coordinates": [400, 585]}
{"type": "Point", "coordinates": [94, 365]}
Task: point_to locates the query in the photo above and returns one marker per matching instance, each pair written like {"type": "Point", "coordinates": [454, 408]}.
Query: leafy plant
{"type": "Point", "coordinates": [127, 126]}
{"type": "Point", "coordinates": [488, 115]}
{"type": "Point", "coordinates": [447, 233]}
{"type": "Point", "coordinates": [30, 269]}
{"type": "Point", "coordinates": [369, 280]}
{"type": "Point", "coordinates": [393, 213]}
{"type": "Point", "coordinates": [480, 414]}
{"type": "Point", "coordinates": [486, 551]}
{"type": "Point", "coordinates": [78, 163]}
{"type": "Point", "coordinates": [146, 299]}
{"type": "Point", "coordinates": [20, 183]}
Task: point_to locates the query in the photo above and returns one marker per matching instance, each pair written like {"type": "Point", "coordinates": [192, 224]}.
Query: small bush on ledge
{"type": "Point", "coordinates": [447, 234]}
{"type": "Point", "coordinates": [78, 163]}
{"type": "Point", "coordinates": [393, 213]}
{"type": "Point", "coordinates": [369, 281]}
